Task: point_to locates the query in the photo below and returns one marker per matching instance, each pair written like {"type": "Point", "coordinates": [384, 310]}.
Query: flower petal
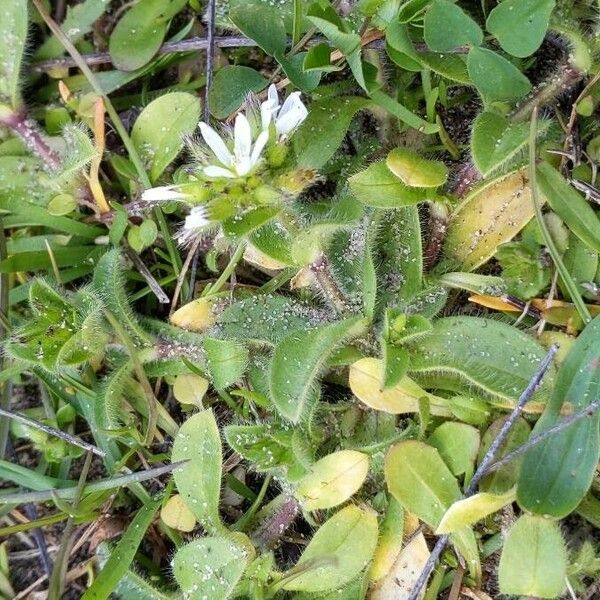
{"type": "Point", "coordinates": [214, 171]}
{"type": "Point", "coordinates": [272, 94]}
{"type": "Point", "coordinates": [292, 100]}
{"type": "Point", "coordinates": [196, 218]}
{"type": "Point", "coordinates": [163, 193]}
{"type": "Point", "coordinates": [268, 109]}
{"type": "Point", "coordinates": [242, 138]}
{"type": "Point", "coordinates": [259, 145]}
{"type": "Point", "coordinates": [287, 122]}
{"type": "Point", "coordinates": [216, 144]}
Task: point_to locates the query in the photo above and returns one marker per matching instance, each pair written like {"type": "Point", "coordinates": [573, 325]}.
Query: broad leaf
{"type": "Point", "coordinates": [520, 25]}
{"type": "Point", "coordinates": [534, 559]}
{"type": "Point", "coordinates": [338, 551]}
{"type": "Point", "coordinates": [199, 480]}
{"type": "Point", "coordinates": [159, 132]}
{"type": "Point", "coordinates": [447, 27]}
{"type": "Point", "coordinates": [298, 360]}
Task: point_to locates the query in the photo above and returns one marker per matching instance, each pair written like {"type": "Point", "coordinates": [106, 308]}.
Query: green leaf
{"type": "Point", "coordinates": [415, 171]}
{"type": "Point", "coordinates": [520, 25]}
{"type": "Point", "coordinates": [377, 186]}
{"type": "Point", "coordinates": [503, 479]}
{"type": "Point", "coordinates": [298, 360]}
{"type": "Point", "coordinates": [293, 67]}
{"type": "Point", "coordinates": [332, 479]}
{"type": "Point", "coordinates": [109, 281]}
{"type": "Point", "coordinates": [122, 555]}
{"type": "Point", "coordinates": [569, 205]}
{"type": "Point", "coordinates": [401, 112]}
{"type": "Point", "coordinates": [476, 354]}
{"type": "Point", "coordinates": [495, 141]}
{"type": "Point", "coordinates": [318, 58]}
{"type": "Point", "coordinates": [323, 131]}
{"type": "Point", "coordinates": [557, 473]}
{"type": "Point", "coordinates": [226, 361]}
{"type": "Point", "coordinates": [534, 559]}
{"type": "Point", "coordinates": [13, 35]}
{"type": "Point", "coordinates": [457, 444]}
{"type": "Point", "coordinates": [267, 447]}
{"type": "Point", "coordinates": [495, 77]}
{"type": "Point", "coordinates": [78, 22]}
{"type": "Point", "coordinates": [210, 567]}
{"type": "Point", "coordinates": [265, 27]}
{"type": "Point", "coordinates": [159, 131]}
{"type": "Point", "coordinates": [447, 26]}
{"type": "Point", "coordinates": [140, 32]}
{"type": "Point", "coordinates": [338, 552]}
{"type": "Point", "coordinates": [396, 361]}
{"type": "Point", "coordinates": [199, 480]}
{"type": "Point", "coordinates": [230, 88]}
{"type": "Point", "coordinates": [419, 479]}
{"type": "Point", "coordinates": [523, 269]}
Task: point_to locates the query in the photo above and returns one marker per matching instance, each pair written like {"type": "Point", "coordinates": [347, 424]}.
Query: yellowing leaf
{"type": "Point", "coordinates": [466, 512]}
{"type": "Point", "coordinates": [196, 315]}
{"type": "Point", "coordinates": [390, 540]}
{"type": "Point", "coordinates": [415, 171]}
{"type": "Point", "coordinates": [492, 215]}
{"type": "Point", "coordinates": [399, 582]}
{"type": "Point", "coordinates": [333, 479]}
{"type": "Point", "coordinates": [190, 389]}
{"type": "Point", "coordinates": [177, 515]}
{"type": "Point", "coordinates": [366, 383]}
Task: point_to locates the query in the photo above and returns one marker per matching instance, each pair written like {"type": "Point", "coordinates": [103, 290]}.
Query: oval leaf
{"type": "Point", "coordinates": [199, 480]}
{"type": "Point", "coordinates": [158, 133]}
{"type": "Point", "coordinates": [495, 77]}
{"type": "Point", "coordinates": [492, 215]}
{"type": "Point", "coordinates": [415, 171]}
{"type": "Point", "coordinates": [447, 27]}
{"type": "Point", "coordinates": [338, 552]}
{"type": "Point", "coordinates": [210, 567]}
{"type": "Point", "coordinates": [333, 479]}
{"type": "Point", "coordinates": [520, 25]}
{"type": "Point", "coordinates": [534, 559]}
{"type": "Point", "coordinates": [377, 186]}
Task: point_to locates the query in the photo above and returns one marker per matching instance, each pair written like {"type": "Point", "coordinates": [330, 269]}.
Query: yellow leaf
{"type": "Point", "coordinates": [177, 515]}
{"type": "Point", "coordinates": [190, 389]}
{"type": "Point", "coordinates": [196, 315]}
{"type": "Point", "coordinates": [468, 511]}
{"type": "Point", "coordinates": [366, 383]}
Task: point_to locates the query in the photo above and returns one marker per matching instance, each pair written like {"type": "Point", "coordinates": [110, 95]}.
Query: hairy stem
{"type": "Point", "coordinates": [29, 132]}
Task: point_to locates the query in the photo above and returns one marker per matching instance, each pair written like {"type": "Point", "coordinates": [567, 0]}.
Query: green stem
{"type": "Point", "coordinates": [57, 579]}
{"type": "Point", "coordinates": [229, 269]}
{"type": "Point", "coordinates": [560, 266]}
{"type": "Point", "coordinates": [141, 376]}
{"type": "Point", "coordinates": [4, 386]}
{"type": "Point", "coordinates": [245, 519]}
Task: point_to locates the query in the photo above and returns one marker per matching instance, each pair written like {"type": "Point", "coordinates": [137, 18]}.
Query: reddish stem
{"type": "Point", "coordinates": [28, 131]}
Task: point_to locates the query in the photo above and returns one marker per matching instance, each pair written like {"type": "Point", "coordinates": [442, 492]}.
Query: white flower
{"type": "Point", "coordinates": [286, 118]}
{"type": "Point", "coordinates": [163, 193]}
{"type": "Point", "coordinates": [197, 219]}
{"type": "Point", "coordinates": [245, 155]}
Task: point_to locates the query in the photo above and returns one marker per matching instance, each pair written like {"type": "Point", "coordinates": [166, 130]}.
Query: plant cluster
{"type": "Point", "coordinates": [324, 300]}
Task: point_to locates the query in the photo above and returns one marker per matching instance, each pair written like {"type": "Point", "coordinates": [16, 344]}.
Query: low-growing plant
{"type": "Point", "coordinates": [328, 297]}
